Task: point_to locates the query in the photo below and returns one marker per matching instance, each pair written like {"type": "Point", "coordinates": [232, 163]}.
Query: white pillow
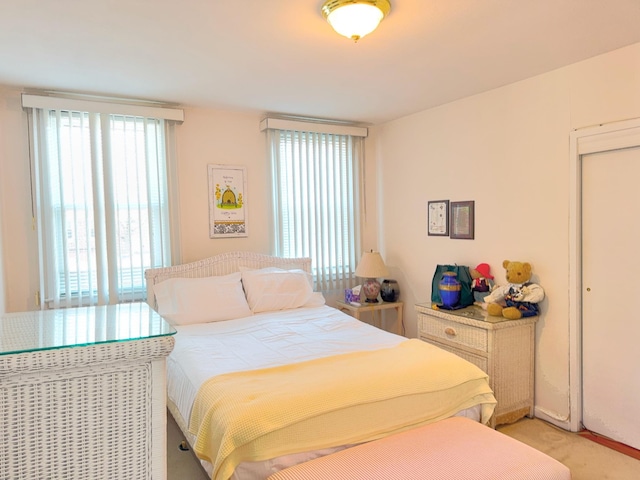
{"type": "Point", "coordinates": [271, 289]}
{"type": "Point", "coordinates": [315, 300]}
{"type": "Point", "coordinates": [184, 301]}
{"type": "Point", "coordinates": [276, 269]}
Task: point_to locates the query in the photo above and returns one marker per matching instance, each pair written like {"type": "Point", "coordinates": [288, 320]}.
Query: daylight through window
{"type": "Point", "coordinates": [101, 205]}
{"type": "Point", "coordinates": [316, 202]}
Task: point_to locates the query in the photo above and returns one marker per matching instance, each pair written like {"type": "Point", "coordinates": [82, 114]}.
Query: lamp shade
{"type": "Point", "coordinates": [371, 266]}
{"type": "Point", "coordinates": [355, 18]}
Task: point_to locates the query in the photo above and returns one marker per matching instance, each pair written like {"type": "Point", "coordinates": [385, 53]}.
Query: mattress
{"type": "Point", "coordinates": [263, 340]}
{"type": "Point", "coordinates": [260, 341]}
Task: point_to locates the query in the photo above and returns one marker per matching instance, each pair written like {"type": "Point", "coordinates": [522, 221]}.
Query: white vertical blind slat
{"type": "Point", "coordinates": [70, 184]}
{"type": "Point", "coordinates": [310, 218]}
{"type": "Point", "coordinates": [124, 206]}
{"type": "Point", "coordinates": [86, 224]}
{"type": "Point", "coordinates": [157, 198]}
{"type": "Point", "coordinates": [99, 262]}
{"type": "Point", "coordinates": [342, 209]}
{"type": "Point", "coordinates": [336, 185]}
{"type": "Point", "coordinates": [139, 262]}
{"type": "Point", "coordinates": [325, 254]}
{"type": "Point", "coordinates": [111, 213]}
{"type": "Point", "coordinates": [273, 151]}
{"type": "Point", "coordinates": [286, 195]}
{"type": "Point", "coordinates": [304, 199]}
{"type": "Point", "coordinates": [295, 244]}
{"type": "Point", "coordinates": [336, 224]}
{"type": "Point", "coordinates": [136, 240]}
{"type": "Point", "coordinates": [39, 138]}
{"type": "Point", "coordinates": [54, 198]}
{"type": "Point", "coordinates": [344, 214]}
{"type": "Point", "coordinates": [62, 245]}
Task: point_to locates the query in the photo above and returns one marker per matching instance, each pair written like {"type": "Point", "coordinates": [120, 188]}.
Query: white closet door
{"type": "Point", "coordinates": [611, 294]}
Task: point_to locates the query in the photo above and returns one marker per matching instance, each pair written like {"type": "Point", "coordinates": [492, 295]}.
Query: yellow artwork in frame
{"type": "Point", "coordinates": [227, 201]}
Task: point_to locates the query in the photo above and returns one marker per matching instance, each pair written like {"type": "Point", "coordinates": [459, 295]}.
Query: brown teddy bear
{"type": "Point", "coordinates": [517, 299]}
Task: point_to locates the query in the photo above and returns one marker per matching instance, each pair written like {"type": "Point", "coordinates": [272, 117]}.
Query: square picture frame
{"type": "Point", "coordinates": [461, 219]}
{"type": "Point", "coordinates": [438, 218]}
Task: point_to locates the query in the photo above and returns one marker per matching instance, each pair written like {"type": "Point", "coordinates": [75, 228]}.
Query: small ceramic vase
{"type": "Point", "coordinates": [389, 291]}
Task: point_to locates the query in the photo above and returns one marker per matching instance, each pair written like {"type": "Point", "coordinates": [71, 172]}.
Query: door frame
{"type": "Point", "coordinates": [600, 138]}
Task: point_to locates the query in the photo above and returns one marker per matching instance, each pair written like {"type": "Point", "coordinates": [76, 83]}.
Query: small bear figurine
{"type": "Point", "coordinates": [519, 298]}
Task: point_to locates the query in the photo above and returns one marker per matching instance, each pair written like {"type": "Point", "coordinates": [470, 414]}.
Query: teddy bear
{"type": "Point", "coordinates": [481, 283]}
{"type": "Point", "coordinates": [519, 298]}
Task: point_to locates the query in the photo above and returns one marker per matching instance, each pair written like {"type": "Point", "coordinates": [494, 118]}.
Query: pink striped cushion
{"type": "Point", "coordinates": [456, 449]}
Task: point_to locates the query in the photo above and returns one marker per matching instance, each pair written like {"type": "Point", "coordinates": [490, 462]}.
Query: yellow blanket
{"type": "Point", "coordinates": [338, 400]}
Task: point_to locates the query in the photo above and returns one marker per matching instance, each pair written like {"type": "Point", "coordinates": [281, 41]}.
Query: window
{"type": "Point", "coordinates": [101, 203]}
{"type": "Point", "coordinates": [316, 201]}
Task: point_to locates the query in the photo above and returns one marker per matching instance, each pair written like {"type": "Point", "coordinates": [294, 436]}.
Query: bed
{"type": "Point", "coordinates": [265, 375]}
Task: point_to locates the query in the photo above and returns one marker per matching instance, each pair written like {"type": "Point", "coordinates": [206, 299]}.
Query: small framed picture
{"type": "Point", "coordinates": [462, 220]}
{"type": "Point", "coordinates": [438, 218]}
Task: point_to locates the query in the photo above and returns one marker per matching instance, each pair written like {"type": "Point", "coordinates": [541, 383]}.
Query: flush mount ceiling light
{"type": "Point", "coordinates": [355, 18]}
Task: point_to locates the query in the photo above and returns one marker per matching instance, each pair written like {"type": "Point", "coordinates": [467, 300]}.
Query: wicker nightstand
{"type": "Point", "coordinates": [83, 393]}
{"type": "Point", "coordinates": [502, 348]}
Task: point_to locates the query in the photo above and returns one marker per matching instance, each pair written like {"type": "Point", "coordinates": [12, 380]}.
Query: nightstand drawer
{"type": "Point", "coordinates": [459, 333]}
{"type": "Point", "coordinates": [477, 360]}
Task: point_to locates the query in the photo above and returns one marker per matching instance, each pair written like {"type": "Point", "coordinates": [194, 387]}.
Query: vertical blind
{"type": "Point", "coordinates": [316, 201]}
{"type": "Point", "coordinates": [102, 204]}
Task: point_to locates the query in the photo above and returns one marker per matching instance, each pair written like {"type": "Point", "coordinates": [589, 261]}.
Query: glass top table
{"type": "Point", "coordinates": [72, 327]}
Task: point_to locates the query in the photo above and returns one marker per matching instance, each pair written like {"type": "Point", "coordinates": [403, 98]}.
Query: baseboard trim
{"type": "Point", "coordinates": [553, 418]}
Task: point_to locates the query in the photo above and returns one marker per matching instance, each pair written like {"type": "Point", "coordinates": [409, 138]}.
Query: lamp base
{"type": "Point", "coordinates": [371, 289]}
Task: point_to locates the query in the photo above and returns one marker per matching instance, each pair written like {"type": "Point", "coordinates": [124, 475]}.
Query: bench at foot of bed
{"type": "Point", "coordinates": [452, 449]}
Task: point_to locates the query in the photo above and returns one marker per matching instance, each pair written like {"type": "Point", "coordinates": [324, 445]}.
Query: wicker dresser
{"type": "Point", "coordinates": [83, 393]}
{"type": "Point", "coordinates": [502, 348]}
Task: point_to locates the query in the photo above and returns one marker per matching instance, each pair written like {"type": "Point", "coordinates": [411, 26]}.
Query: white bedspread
{"type": "Point", "coordinates": [263, 340]}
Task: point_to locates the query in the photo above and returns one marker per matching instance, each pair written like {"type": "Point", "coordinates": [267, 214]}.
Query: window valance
{"type": "Point", "coordinates": [54, 102]}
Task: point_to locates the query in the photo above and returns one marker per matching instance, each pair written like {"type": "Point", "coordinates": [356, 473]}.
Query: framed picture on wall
{"type": "Point", "coordinates": [438, 218]}
{"type": "Point", "coordinates": [227, 201]}
{"type": "Point", "coordinates": [462, 220]}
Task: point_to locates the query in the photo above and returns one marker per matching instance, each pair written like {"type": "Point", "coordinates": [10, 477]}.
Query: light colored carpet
{"type": "Point", "coordinates": [181, 465]}
{"type": "Point", "coordinates": [586, 459]}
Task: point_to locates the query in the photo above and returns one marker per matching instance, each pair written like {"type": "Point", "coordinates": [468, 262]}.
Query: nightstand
{"type": "Point", "coordinates": [503, 348]}
{"type": "Point", "coordinates": [356, 311]}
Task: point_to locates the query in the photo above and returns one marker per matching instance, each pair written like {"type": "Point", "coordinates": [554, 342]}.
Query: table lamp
{"type": "Point", "coordinates": [371, 267]}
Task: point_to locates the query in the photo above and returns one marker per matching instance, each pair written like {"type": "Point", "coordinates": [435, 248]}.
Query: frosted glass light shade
{"type": "Point", "coordinates": [355, 18]}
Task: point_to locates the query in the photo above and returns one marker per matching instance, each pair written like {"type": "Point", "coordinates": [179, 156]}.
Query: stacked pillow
{"type": "Point", "coordinates": [271, 289]}
{"type": "Point", "coordinates": [183, 301]}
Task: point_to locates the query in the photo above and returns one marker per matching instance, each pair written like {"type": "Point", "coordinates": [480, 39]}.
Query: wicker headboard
{"type": "Point", "coordinates": [221, 264]}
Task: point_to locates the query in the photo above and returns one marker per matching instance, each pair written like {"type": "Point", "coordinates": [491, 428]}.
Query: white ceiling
{"type": "Point", "coordinates": [280, 56]}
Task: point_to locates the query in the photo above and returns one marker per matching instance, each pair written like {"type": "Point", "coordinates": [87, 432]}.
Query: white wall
{"type": "Point", "coordinates": [3, 141]}
{"type": "Point", "coordinates": [19, 245]}
{"type": "Point", "coordinates": [218, 137]}
{"type": "Point", "coordinates": [508, 150]}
